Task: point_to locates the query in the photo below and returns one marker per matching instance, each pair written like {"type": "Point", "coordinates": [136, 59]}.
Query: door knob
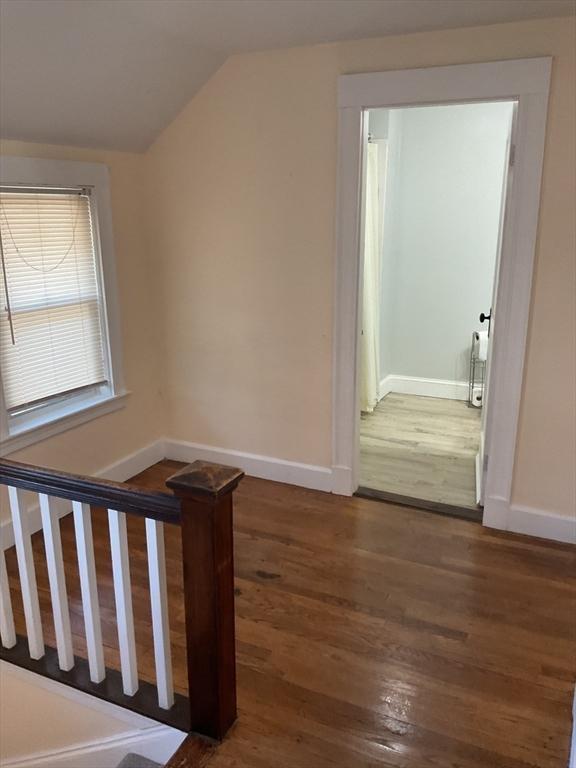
{"type": "Point", "coordinates": [488, 317]}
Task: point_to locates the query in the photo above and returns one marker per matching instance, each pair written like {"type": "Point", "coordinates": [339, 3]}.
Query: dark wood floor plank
{"type": "Point", "coordinates": [368, 634]}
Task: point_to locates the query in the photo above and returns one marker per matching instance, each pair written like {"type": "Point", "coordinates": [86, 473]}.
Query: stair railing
{"type": "Point", "coordinates": [200, 501]}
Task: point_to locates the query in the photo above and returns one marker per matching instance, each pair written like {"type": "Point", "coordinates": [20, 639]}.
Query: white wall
{"type": "Point", "coordinates": [45, 724]}
{"type": "Point", "coordinates": [443, 196]}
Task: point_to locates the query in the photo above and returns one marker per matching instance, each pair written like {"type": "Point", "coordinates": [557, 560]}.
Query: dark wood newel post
{"type": "Point", "coordinates": [206, 491]}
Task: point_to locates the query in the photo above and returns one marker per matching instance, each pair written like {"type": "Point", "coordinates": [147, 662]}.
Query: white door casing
{"type": "Point", "coordinates": [485, 423]}
{"type": "Point", "coordinates": [527, 82]}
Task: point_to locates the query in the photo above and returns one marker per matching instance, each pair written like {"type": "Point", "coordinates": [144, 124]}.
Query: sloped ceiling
{"type": "Point", "coordinates": [114, 73]}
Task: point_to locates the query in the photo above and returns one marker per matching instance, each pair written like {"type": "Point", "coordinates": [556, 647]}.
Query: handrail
{"type": "Point", "coordinates": [97, 492]}
{"type": "Point", "coordinates": [200, 503]}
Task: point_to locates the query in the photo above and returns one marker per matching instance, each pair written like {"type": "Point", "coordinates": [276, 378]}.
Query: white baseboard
{"type": "Point", "coordinates": [414, 385]}
{"type": "Point", "coordinates": [264, 467]}
{"type": "Point", "coordinates": [120, 470]}
{"type": "Point", "coordinates": [498, 513]}
{"type": "Point", "coordinates": [342, 484]}
{"type": "Point", "coordinates": [384, 387]}
{"type": "Point", "coordinates": [134, 463]}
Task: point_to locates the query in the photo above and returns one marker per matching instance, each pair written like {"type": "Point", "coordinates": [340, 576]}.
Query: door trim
{"type": "Point", "coordinates": [527, 82]}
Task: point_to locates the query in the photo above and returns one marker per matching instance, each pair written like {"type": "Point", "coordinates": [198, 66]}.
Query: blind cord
{"type": "Point", "coordinates": [41, 269]}
{"type": "Point", "coordinates": [5, 279]}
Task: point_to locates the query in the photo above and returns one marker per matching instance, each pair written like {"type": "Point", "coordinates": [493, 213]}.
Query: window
{"type": "Point", "coordinates": [56, 354]}
{"type": "Point", "coordinates": [51, 335]}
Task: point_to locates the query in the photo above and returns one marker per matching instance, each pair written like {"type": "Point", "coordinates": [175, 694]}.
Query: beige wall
{"type": "Point", "coordinates": [242, 203]}
{"type": "Point", "coordinates": [239, 228]}
{"type": "Point", "coordinates": [242, 188]}
{"type": "Point", "coordinates": [109, 438]}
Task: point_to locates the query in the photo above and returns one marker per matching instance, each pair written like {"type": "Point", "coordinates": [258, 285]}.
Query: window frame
{"type": "Point", "coordinates": [65, 412]}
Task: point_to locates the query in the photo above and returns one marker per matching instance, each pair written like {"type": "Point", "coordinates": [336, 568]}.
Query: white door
{"type": "Point", "coordinates": [485, 423]}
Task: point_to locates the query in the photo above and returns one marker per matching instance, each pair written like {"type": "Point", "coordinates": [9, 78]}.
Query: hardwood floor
{"type": "Point", "coordinates": [421, 447]}
{"type": "Point", "coordinates": [367, 634]}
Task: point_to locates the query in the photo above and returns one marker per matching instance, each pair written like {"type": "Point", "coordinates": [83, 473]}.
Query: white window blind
{"type": "Point", "coordinates": [51, 333]}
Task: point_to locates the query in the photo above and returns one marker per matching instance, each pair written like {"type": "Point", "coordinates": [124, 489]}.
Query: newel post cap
{"type": "Point", "coordinates": [204, 479]}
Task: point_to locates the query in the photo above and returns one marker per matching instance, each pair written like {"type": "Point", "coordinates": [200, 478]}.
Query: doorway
{"type": "Point", "coordinates": [434, 190]}
{"type": "Point", "coordinates": [526, 82]}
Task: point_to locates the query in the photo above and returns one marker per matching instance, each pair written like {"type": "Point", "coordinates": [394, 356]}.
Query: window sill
{"type": "Point", "coordinates": [27, 436]}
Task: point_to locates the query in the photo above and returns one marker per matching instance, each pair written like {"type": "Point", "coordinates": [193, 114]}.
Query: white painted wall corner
{"type": "Point", "coordinates": [134, 463]}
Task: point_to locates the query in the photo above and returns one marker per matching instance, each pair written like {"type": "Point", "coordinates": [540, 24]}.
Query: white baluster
{"type": "Point", "coordinates": [90, 605]}
{"type": "Point", "coordinates": [7, 631]}
{"type": "Point", "coordinates": [159, 602]}
{"type": "Point", "coordinates": [27, 573]}
{"type": "Point", "coordinates": [57, 581]}
{"type": "Point", "coordinates": [123, 598]}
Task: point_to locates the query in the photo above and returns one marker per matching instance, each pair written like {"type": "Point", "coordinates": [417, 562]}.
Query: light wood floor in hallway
{"type": "Point", "coordinates": [421, 447]}
{"type": "Point", "coordinates": [364, 640]}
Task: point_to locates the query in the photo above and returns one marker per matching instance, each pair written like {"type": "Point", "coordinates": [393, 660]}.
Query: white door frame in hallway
{"type": "Point", "coordinates": [525, 81]}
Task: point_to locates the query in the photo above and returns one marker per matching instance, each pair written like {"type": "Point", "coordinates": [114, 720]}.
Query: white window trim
{"type": "Point", "coordinates": [73, 411]}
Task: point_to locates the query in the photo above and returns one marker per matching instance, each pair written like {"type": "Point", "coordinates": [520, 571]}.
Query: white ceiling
{"type": "Point", "coordinates": [114, 73]}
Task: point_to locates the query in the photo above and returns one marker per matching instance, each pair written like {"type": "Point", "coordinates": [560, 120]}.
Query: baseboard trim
{"type": "Point", "coordinates": [342, 484]}
{"type": "Point", "coordinates": [546, 525]}
{"type": "Point", "coordinates": [134, 463]}
{"type": "Point", "coordinates": [384, 387]}
{"type": "Point", "coordinates": [264, 467]}
{"type": "Point", "coordinates": [500, 514]}
{"type": "Point", "coordinates": [414, 385]}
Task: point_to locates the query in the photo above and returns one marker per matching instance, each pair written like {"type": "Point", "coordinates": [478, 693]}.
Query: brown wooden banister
{"type": "Point", "coordinates": [200, 501]}
{"type": "Point", "coordinates": [91, 490]}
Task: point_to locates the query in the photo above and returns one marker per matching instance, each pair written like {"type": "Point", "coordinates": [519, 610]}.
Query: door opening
{"type": "Point", "coordinates": [435, 183]}
{"type": "Point", "coordinates": [525, 82]}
